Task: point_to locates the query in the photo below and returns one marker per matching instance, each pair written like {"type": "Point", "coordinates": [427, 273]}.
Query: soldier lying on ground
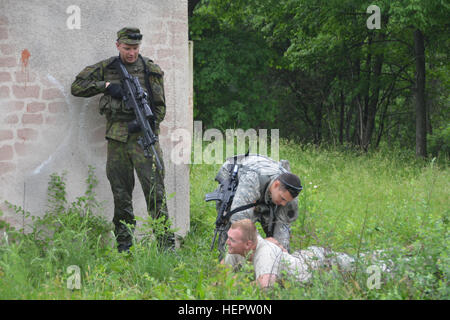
{"type": "Point", "coordinates": [271, 260]}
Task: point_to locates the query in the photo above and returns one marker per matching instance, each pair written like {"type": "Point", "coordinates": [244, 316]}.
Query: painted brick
{"type": "Point", "coordinates": [21, 148]}
{"type": "Point", "coordinates": [27, 134]}
{"type": "Point", "coordinates": [11, 119]}
{"type": "Point", "coordinates": [24, 76]}
{"type": "Point", "coordinates": [50, 94]}
{"type": "Point", "coordinates": [35, 107]}
{"type": "Point", "coordinates": [51, 120]}
{"type": "Point", "coordinates": [3, 33]}
{"type": "Point", "coordinates": [6, 49]}
{"type": "Point", "coordinates": [32, 119]}
{"type": "Point", "coordinates": [13, 106]}
{"type": "Point", "coordinates": [3, 20]}
{"type": "Point", "coordinates": [4, 92]}
{"type": "Point", "coordinates": [5, 77]}
{"type": "Point", "coordinates": [6, 135]}
{"type": "Point", "coordinates": [6, 167]}
{"type": "Point", "coordinates": [6, 153]}
{"type": "Point", "coordinates": [22, 92]}
{"type": "Point", "coordinates": [7, 62]}
{"type": "Point", "coordinates": [55, 107]}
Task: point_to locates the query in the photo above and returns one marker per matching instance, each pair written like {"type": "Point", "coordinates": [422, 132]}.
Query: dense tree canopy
{"type": "Point", "coordinates": [327, 71]}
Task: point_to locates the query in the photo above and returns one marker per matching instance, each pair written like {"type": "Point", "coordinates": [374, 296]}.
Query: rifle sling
{"type": "Point", "coordinates": [147, 85]}
{"type": "Point", "coordinates": [242, 208]}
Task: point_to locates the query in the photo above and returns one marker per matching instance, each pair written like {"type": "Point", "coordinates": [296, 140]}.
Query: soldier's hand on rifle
{"type": "Point", "coordinates": [114, 90]}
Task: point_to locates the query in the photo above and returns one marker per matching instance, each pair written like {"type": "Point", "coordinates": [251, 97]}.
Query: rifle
{"type": "Point", "coordinates": [225, 196]}
{"type": "Point", "coordinates": [136, 98]}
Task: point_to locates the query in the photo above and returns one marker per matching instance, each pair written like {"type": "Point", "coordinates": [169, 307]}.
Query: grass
{"type": "Point", "coordinates": [351, 203]}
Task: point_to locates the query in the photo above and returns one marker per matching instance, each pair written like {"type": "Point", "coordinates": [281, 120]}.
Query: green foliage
{"type": "Point", "coordinates": [233, 84]}
{"type": "Point", "coordinates": [352, 202]}
{"type": "Point", "coordinates": [314, 69]}
{"type": "Point", "coordinates": [439, 141]}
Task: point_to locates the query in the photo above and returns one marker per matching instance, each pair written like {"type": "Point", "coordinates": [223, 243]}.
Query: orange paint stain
{"type": "Point", "coordinates": [24, 60]}
{"type": "Point", "coordinates": [25, 57]}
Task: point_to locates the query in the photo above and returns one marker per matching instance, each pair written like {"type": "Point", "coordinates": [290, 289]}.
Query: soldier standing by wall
{"type": "Point", "coordinates": [124, 154]}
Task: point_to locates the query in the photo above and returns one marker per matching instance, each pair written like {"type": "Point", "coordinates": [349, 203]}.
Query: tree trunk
{"type": "Point", "coordinates": [318, 125]}
{"type": "Point", "coordinates": [421, 109]}
{"type": "Point", "coordinates": [372, 106]}
{"type": "Point", "coordinates": [341, 119]}
{"type": "Point", "coordinates": [191, 7]}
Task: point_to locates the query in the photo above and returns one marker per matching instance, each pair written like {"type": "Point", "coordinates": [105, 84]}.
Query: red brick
{"type": "Point", "coordinates": [5, 77]}
{"type": "Point", "coordinates": [27, 134]}
{"type": "Point", "coordinates": [24, 76]}
{"type": "Point", "coordinates": [6, 153]}
{"type": "Point", "coordinates": [22, 92]}
{"type": "Point", "coordinates": [11, 119]}
{"type": "Point", "coordinates": [6, 49]}
{"type": "Point", "coordinates": [6, 135]}
{"type": "Point", "coordinates": [3, 20]}
{"type": "Point", "coordinates": [32, 118]}
{"type": "Point", "coordinates": [3, 33]}
{"type": "Point", "coordinates": [21, 148]}
{"type": "Point", "coordinates": [55, 107]}
{"type": "Point", "coordinates": [50, 94]}
{"type": "Point", "coordinates": [35, 107]}
{"type": "Point", "coordinates": [6, 167]}
{"type": "Point", "coordinates": [7, 62]}
{"type": "Point", "coordinates": [4, 92]}
{"type": "Point", "coordinates": [13, 106]}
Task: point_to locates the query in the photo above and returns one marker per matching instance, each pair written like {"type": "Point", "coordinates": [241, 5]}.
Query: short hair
{"type": "Point", "coordinates": [291, 183]}
{"type": "Point", "coordinates": [248, 229]}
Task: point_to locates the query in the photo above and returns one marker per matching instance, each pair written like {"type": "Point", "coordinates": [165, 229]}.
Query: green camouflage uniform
{"type": "Point", "coordinates": [256, 174]}
{"type": "Point", "coordinates": [124, 154]}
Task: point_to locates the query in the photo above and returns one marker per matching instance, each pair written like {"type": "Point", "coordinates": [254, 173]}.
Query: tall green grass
{"type": "Point", "coordinates": [351, 202]}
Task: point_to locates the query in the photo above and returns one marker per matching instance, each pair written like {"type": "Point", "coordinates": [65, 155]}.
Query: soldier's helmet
{"type": "Point", "coordinates": [129, 35]}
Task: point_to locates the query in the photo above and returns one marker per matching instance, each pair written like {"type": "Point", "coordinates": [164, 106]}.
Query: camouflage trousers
{"type": "Point", "coordinates": [122, 160]}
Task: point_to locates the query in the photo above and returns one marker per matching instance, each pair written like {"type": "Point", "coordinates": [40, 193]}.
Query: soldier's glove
{"type": "Point", "coordinates": [115, 90]}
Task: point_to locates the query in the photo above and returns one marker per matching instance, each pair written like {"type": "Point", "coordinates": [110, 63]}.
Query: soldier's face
{"type": "Point", "coordinates": [129, 53]}
{"type": "Point", "coordinates": [280, 197]}
{"type": "Point", "coordinates": [235, 243]}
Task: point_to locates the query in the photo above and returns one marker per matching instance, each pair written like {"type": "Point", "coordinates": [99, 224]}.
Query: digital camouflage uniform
{"type": "Point", "coordinates": [124, 154]}
{"type": "Point", "coordinates": [256, 174]}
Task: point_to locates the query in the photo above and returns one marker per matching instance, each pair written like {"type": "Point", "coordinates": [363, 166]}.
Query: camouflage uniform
{"type": "Point", "coordinates": [256, 174]}
{"type": "Point", "coordinates": [124, 154]}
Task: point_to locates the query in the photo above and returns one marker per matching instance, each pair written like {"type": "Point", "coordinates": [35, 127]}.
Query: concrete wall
{"type": "Point", "coordinates": [43, 129]}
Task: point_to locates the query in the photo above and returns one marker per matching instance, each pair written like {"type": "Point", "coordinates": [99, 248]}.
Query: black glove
{"type": "Point", "coordinates": [115, 90]}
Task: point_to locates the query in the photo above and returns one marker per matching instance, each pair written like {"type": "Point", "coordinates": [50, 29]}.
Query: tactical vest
{"type": "Point", "coordinates": [116, 109]}
{"type": "Point", "coordinates": [266, 168]}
